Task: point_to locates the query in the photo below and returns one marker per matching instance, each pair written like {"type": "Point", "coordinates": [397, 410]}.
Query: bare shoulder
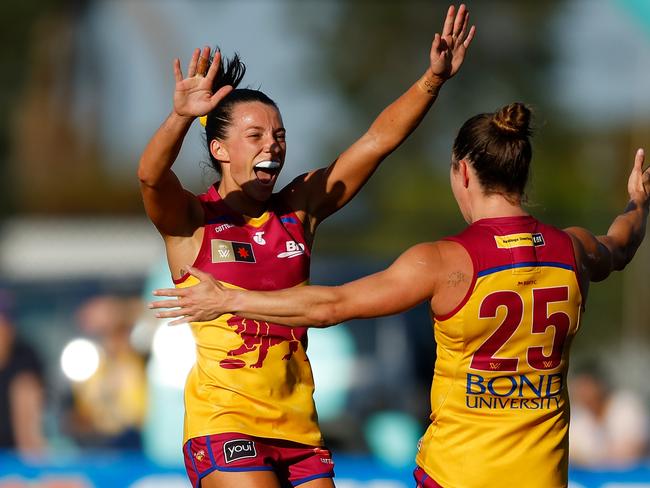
{"type": "Point", "coordinates": [456, 262]}
{"type": "Point", "coordinates": [428, 255]}
{"type": "Point", "coordinates": [592, 254]}
{"type": "Point", "coordinates": [298, 191]}
{"type": "Point", "coordinates": [454, 278]}
{"type": "Point", "coordinates": [587, 249]}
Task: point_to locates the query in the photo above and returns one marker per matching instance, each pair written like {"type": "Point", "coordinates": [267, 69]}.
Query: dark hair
{"type": "Point", "coordinates": [218, 121]}
{"type": "Point", "coordinates": [498, 147]}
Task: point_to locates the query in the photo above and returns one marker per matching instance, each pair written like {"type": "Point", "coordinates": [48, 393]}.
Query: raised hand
{"type": "Point", "coordinates": [194, 96]}
{"type": "Point", "coordinates": [638, 185]}
{"type": "Point", "coordinates": [448, 50]}
{"type": "Point", "coordinates": [198, 303]}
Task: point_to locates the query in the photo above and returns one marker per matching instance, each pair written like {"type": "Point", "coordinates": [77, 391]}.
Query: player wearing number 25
{"type": "Point", "coordinates": [506, 293]}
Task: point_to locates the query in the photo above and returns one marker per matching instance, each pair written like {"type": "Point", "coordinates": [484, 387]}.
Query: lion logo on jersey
{"type": "Point", "coordinates": [259, 335]}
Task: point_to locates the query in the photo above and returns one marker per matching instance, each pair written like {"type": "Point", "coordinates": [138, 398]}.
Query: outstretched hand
{"type": "Point", "coordinates": [638, 185]}
{"type": "Point", "coordinates": [194, 96]}
{"type": "Point", "coordinates": [198, 303]}
{"type": "Point", "coordinates": [448, 50]}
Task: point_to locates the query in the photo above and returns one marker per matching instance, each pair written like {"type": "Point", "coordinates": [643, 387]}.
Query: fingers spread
{"type": "Point", "coordinates": [191, 68]}
{"type": "Point", "coordinates": [639, 158]}
{"type": "Point", "coordinates": [169, 314]}
{"type": "Point", "coordinates": [214, 67]}
{"type": "Point", "coordinates": [460, 20]}
{"type": "Point", "coordinates": [435, 45]}
{"type": "Point", "coordinates": [178, 74]}
{"type": "Point", "coordinates": [220, 94]}
{"type": "Point", "coordinates": [164, 304]}
{"type": "Point", "coordinates": [460, 35]}
{"type": "Point", "coordinates": [169, 292]}
{"type": "Point", "coordinates": [181, 321]}
{"type": "Point", "coordinates": [204, 58]}
{"type": "Point", "coordinates": [449, 22]}
{"type": "Point", "coordinates": [470, 36]}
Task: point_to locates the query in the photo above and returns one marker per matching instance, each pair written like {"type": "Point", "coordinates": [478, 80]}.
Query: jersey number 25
{"type": "Point", "coordinates": [484, 358]}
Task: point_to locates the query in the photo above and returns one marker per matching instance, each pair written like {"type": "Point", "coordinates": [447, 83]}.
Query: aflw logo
{"type": "Point", "coordinates": [238, 449]}
{"type": "Point", "coordinates": [293, 249]}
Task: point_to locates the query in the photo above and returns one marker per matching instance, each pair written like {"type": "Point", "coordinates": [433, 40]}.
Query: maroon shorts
{"type": "Point", "coordinates": [423, 480]}
{"type": "Point", "coordinates": [293, 463]}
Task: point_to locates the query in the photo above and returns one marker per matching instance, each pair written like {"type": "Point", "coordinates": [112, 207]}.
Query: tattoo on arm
{"type": "Point", "coordinates": [455, 278]}
{"type": "Point", "coordinates": [429, 86]}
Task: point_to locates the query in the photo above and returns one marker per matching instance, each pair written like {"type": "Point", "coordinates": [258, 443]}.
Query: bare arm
{"type": "Point", "coordinates": [26, 395]}
{"type": "Point", "coordinates": [600, 255]}
{"type": "Point", "coordinates": [408, 281]}
{"type": "Point", "coordinates": [324, 191]}
{"type": "Point", "coordinates": [172, 209]}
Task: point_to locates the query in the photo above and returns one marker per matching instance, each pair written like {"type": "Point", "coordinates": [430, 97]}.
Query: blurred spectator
{"type": "Point", "coordinates": [22, 394]}
{"type": "Point", "coordinates": [609, 427]}
{"type": "Point", "coordinates": [109, 407]}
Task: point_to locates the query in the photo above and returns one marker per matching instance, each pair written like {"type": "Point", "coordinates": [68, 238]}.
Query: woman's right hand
{"type": "Point", "coordinates": [448, 49]}
{"type": "Point", "coordinates": [198, 303]}
{"type": "Point", "coordinates": [193, 96]}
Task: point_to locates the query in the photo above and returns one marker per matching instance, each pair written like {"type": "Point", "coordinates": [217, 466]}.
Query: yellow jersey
{"type": "Point", "coordinates": [499, 401]}
{"type": "Point", "coordinates": [251, 377]}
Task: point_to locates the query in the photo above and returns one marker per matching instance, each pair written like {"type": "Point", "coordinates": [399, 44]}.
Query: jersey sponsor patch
{"type": "Point", "coordinates": [258, 237]}
{"type": "Point", "coordinates": [238, 449]}
{"type": "Point", "coordinates": [538, 239]}
{"type": "Point", "coordinates": [293, 249]}
{"type": "Point", "coordinates": [230, 251]}
{"type": "Point", "coordinates": [222, 227]}
{"type": "Point", "coordinates": [519, 240]}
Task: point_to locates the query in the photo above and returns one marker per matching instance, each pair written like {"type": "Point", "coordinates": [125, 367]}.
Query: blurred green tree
{"type": "Point", "coordinates": [370, 51]}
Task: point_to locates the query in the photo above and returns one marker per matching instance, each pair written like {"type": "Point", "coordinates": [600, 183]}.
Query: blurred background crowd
{"type": "Point", "coordinates": [84, 83]}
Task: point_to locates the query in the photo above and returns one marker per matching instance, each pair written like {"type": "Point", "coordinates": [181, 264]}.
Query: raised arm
{"type": "Point", "coordinates": [172, 209]}
{"type": "Point", "coordinates": [409, 281]}
{"type": "Point", "coordinates": [598, 256]}
{"type": "Point", "coordinates": [326, 190]}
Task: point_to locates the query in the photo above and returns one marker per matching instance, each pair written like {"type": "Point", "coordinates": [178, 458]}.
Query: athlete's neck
{"type": "Point", "coordinates": [238, 201]}
{"type": "Point", "coordinates": [495, 205]}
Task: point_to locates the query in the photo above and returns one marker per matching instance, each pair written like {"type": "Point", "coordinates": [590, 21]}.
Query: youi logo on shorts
{"type": "Point", "coordinates": [238, 449]}
{"type": "Point", "coordinates": [293, 249]}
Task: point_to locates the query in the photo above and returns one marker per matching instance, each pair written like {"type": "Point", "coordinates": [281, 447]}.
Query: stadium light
{"type": "Point", "coordinates": [79, 359]}
{"type": "Point", "coordinates": [173, 354]}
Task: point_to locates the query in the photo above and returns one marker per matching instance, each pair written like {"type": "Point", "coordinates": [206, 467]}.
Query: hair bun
{"type": "Point", "coordinates": [513, 119]}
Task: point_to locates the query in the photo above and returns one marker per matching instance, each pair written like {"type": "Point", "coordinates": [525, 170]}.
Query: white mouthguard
{"type": "Point", "coordinates": [268, 165]}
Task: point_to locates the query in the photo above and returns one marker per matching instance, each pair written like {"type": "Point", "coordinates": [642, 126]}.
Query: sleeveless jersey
{"type": "Point", "coordinates": [251, 377]}
{"type": "Point", "coordinates": [499, 401]}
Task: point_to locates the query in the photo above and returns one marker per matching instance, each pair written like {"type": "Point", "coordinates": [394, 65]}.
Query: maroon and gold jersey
{"type": "Point", "coordinates": [250, 376]}
{"type": "Point", "coordinates": [499, 400]}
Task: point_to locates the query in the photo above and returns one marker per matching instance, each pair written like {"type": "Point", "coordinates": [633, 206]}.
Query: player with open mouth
{"type": "Point", "coordinates": [267, 171]}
